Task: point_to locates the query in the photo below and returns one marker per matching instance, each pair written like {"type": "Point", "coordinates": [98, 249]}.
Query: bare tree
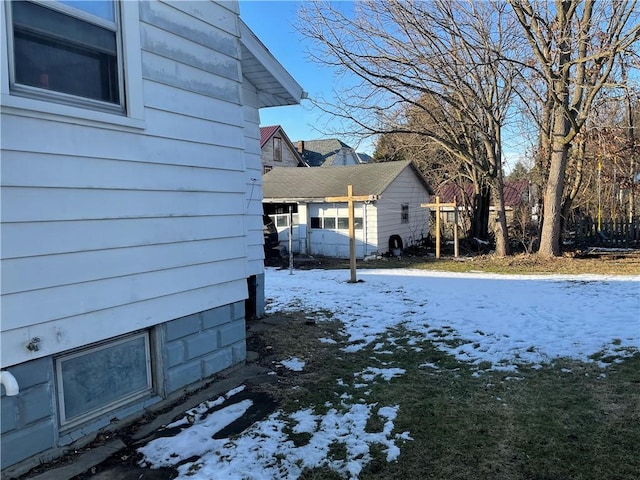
{"type": "Point", "coordinates": [439, 166]}
{"type": "Point", "coordinates": [574, 45]}
{"type": "Point", "coordinates": [402, 51]}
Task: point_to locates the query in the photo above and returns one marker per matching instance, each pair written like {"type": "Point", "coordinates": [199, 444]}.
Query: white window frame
{"type": "Point", "coordinates": [404, 213]}
{"type": "Point", "coordinates": [277, 149]}
{"type": "Point", "coordinates": [49, 104]}
{"type": "Point", "coordinates": [91, 414]}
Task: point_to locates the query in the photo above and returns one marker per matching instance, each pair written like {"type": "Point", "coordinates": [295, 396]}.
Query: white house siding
{"type": "Point", "coordinates": [116, 221]}
{"type": "Point", "coordinates": [109, 229]}
{"type": "Point", "coordinates": [253, 201]}
{"type": "Point", "coordinates": [406, 188]}
{"type": "Point", "coordinates": [253, 187]}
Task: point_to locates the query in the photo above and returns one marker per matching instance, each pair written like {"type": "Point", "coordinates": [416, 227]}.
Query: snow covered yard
{"type": "Point", "coordinates": [502, 319]}
{"type": "Point", "coordinates": [489, 324]}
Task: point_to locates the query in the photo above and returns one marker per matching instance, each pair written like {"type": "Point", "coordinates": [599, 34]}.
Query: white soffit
{"type": "Point", "coordinates": [276, 87]}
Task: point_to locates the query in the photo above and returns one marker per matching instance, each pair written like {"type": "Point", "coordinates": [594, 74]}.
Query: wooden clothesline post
{"type": "Point", "coordinates": [350, 199]}
{"type": "Point", "coordinates": [438, 206]}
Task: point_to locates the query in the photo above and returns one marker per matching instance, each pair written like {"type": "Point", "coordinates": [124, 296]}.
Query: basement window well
{"type": "Point", "coordinates": [96, 380]}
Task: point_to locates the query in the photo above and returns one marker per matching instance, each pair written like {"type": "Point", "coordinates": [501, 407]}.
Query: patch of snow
{"type": "Point", "coordinates": [264, 450]}
{"type": "Point", "coordinates": [429, 365]}
{"type": "Point", "coordinates": [533, 320]}
{"type": "Point", "coordinates": [370, 373]}
{"type": "Point", "coordinates": [327, 340]}
{"type": "Point", "coordinates": [294, 364]}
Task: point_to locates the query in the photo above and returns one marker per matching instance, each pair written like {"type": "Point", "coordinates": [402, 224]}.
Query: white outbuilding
{"type": "Point", "coordinates": [390, 220]}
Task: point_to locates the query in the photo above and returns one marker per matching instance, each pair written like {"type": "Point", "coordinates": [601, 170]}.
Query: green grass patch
{"type": "Point", "coordinates": [566, 420]}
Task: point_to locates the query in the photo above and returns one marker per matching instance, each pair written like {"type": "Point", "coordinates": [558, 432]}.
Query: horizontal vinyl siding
{"type": "Point", "coordinates": [57, 204]}
{"type": "Point", "coordinates": [406, 188]}
{"type": "Point", "coordinates": [109, 229]}
{"type": "Point", "coordinates": [28, 273]}
{"type": "Point", "coordinates": [68, 333]}
{"type": "Point", "coordinates": [288, 156]}
{"type": "Point", "coordinates": [64, 171]}
{"type": "Point", "coordinates": [30, 239]}
{"type": "Point", "coordinates": [253, 199]}
{"type": "Point", "coordinates": [91, 296]}
{"type": "Point", "coordinates": [70, 139]}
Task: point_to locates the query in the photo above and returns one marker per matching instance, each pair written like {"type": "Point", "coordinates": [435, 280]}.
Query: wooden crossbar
{"type": "Point", "coordinates": [437, 205]}
{"type": "Point", "coordinates": [350, 198]}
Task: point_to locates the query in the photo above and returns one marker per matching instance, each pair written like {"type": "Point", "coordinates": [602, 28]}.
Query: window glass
{"type": "Point", "coordinates": [94, 380]}
{"type": "Point", "coordinates": [343, 223]}
{"type": "Point", "coordinates": [316, 222]}
{"type": "Point", "coordinates": [277, 149]}
{"type": "Point", "coordinates": [99, 8]}
{"type": "Point", "coordinates": [56, 51]}
{"type": "Point", "coordinates": [405, 213]}
{"type": "Point", "coordinates": [330, 223]}
{"type": "Point", "coordinates": [282, 220]}
{"type": "Point", "coordinates": [357, 223]}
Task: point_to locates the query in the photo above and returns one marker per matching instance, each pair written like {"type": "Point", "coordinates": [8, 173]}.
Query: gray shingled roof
{"type": "Point", "coordinates": [318, 183]}
{"type": "Point", "coordinates": [322, 152]}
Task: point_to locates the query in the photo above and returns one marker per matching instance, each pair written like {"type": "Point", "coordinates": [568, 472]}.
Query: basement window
{"type": "Point", "coordinates": [96, 380]}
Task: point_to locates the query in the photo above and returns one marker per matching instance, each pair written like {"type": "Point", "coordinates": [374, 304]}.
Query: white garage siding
{"type": "Point", "coordinates": [406, 189]}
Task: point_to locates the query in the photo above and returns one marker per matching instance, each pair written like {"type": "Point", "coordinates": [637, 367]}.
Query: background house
{"type": "Point", "coordinates": [277, 150]}
{"type": "Point", "coordinates": [132, 246]}
{"type": "Point", "coordinates": [321, 228]}
{"type": "Point", "coordinates": [327, 153]}
{"type": "Point", "coordinates": [516, 194]}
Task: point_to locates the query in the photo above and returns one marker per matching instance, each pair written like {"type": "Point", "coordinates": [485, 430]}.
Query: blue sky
{"type": "Point", "coordinates": [273, 23]}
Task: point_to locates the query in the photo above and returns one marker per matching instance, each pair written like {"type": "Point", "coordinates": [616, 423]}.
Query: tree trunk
{"type": "Point", "coordinates": [578, 157]}
{"type": "Point", "coordinates": [500, 224]}
{"type": "Point", "coordinates": [552, 225]}
{"type": "Point", "coordinates": [480, 222]}
{"type": "Point", "coordinates": [551, 235]}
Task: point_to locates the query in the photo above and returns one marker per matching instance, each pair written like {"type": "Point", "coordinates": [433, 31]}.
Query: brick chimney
{"type": "Point", "coordinates": [300, 147]}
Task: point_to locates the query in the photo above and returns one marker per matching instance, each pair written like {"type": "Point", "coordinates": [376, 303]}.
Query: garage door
{"type": "Point", "coordinates": [329, 230]}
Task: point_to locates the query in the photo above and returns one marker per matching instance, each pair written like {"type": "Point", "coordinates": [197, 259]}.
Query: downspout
{"type": "Point", "coordinates": [10, 383]}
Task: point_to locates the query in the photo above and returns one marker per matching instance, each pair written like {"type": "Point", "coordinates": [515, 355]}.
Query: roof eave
{"type": "Point", "coordinates": [276, 87]}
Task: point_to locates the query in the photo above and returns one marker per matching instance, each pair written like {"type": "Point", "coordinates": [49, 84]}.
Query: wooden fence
{"type": "Point", "coordinates": [612, 233]}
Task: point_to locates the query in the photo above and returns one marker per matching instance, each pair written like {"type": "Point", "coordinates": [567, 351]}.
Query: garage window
{"type": "Point", "coordinates": [405, 213]}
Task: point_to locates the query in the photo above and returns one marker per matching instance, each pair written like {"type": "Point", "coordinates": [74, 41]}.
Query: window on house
{"type": "Point", "coordinates": [405, 213]}
{"type": "Point", "coordinates": [67, 51]}
{"type": "Point", "coordinates": [329, 223]}
{"type": "Point", "coordinates": [282, 220]}
{"type": "Point", "coordinates": [277, 149]}
{"type": "Point", "coordinates": [93, 381]}
{"type": "Point", "coordinates": [266, 169]}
